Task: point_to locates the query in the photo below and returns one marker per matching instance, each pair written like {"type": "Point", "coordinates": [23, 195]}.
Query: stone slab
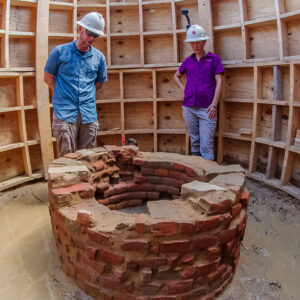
{"type": "Point", "coordinates": [68, 169]}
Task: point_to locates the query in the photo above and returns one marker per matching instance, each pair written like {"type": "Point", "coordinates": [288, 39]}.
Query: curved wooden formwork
{"type": "Point", "coordinates": [259, 115]}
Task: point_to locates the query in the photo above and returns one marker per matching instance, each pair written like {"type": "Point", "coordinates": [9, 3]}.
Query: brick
{"type": "Point", "coordinates": [195, 293]}
{"type": "Point", "coordinates": [212, 253]}
{"type": "Point", "coordinates": [162, 164]}
{"type": "Point", "coordinates": [175, 246]}
{"type": "Point", "coordinates": [81, 272]}
{"type": "Point", "coordinates": [139, 161]}
{"type": "Point", "coordinates": [103, 201]}
{"type": "Point", "coordinates": [245, 197]}
{"type": "Point", "coordinates": [164, 229]}
{"type": "Point", "coordinates": [173, 261]}
{"type": "Point", "coordinates": [98, 165]}
{"type": "Point", "coordinates": [226, 220]}
{"type": "Point", "coordinates": [120, 187]}
{"type": "Point", "coordinates": [129, 286]}
{"type": "Point", "coordinates": [154, 179]}
{"type": "Point", "coordinates": [161, 172]}
{"type": "Point", "coordinates": [108, 282]}
{"type": "Point", "coordinates": [84, 217]}
{"type": "Point", "coordinates": [185, 178]}
{"type": "Point", "coordinates": [138, 178]}
{"type": "Point", "coordinates": [152, 262]}
{"type": "Point", "coordinates": [207, 224]}
{"type": "Point", "coordinates": [171, 182]}
{"type": "Point", "coordinates": [207, 268]}
{"type": "Point", "coordinates": [99, 238]}
{"type": "Point", "coordinates": [214, 276]}
{"type": "Point", "coordinates": [75, 155]}
{"type": "Point", "coordinates": [175, 175]}
{"type": "Point", "coordinates": [150, 288]}
{"type": "Point", "coordinates": [146, 275]}
{"type": "Point", "coordinates": [188, 272]}
{"type": "Point", "coordinates": [189, 171]}
{"type": "Point", "coordinates": [109, 192]}
{"type": "Point", "coordinates": [135, 245]}
{"type": "Point", "coordinates": [205, 242]}
{"type": "Point", "coordinates": [91, 252]}
{"type": "Point", "coordinates": [174, 190]}
{"type": "Point", "coordinates": [111, 258]}
{"type": "Point", "coordinates": [146, 187]}
{"type": "Point", "coordinates": [102, 186]}
{"type": "Point", "coordinates": [229, 246]}
{"type": "Point", "coordinates": [181, 286]}
{"type": "Point", "coordinates": [227, 235]}
{"type": "Point", "coordinates": [124, 296]}
{"type": "Point", "coordinates": [188, 259]}
{"type": "Point", "coordinates": [178, 167]}
{"type": "Point", "coordinates": [162, 297]}
{"type": "Point", "coordinates": [131, 265]}
{"type": "Point", "coordinates": [161, 188]}
{"type": "Point", "coordinates": [98, 266]}
{"type": "Point", "coordinates": [129, 203]}
{"type": "Point", "coordinates": [140, 224]}
{"type": "Point", "coordinates": [187, 228]}
{"type": "Point", "coordinates": [83, 189]}
{"type": "Point", "coordinates": [236, 210]}
{"type": "Point", "coordinates": [147, 171]}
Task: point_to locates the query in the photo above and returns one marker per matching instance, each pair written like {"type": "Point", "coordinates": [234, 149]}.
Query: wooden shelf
{"type": "Point", "coordinates": [278, 144]}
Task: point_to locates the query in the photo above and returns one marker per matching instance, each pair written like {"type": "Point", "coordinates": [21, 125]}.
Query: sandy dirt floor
{"type": "Point", "coordinates": [269, 266]}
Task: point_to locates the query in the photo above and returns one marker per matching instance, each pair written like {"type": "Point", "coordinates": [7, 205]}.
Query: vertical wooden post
{"type": "Point", "coordinates": [205, 17]}
{"type": "Point", "coordinates": [121, 78]}
{"type": "Point", "coordinates": [245, 35]}
{"type": "Point", "coordinates": [221, 123]}
{"type": "Point", "coordinates": [154, 110]}
{"type": "Point", "coordinates": [282, 29]}
{"type": "Point", "coordinates": [6, 37]}
{"type": "Point", "coordinates": [108, 39]}
{"type": "Point", "coordinates": [142, 50]}
{"type": "Point", "coordinates": [42, 90]}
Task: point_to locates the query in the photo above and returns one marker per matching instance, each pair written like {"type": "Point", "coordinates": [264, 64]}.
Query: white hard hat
{"type": "Point", "coordinates": [93, 22]}
{"type": "Point", "coordinates": [196, 33]}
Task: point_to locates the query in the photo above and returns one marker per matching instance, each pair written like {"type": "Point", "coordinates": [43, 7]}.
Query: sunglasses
{"type": "Point", "coordinates": [91, 34]}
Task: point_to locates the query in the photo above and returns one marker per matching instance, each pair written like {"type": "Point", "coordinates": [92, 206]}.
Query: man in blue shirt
{"type": "Point", "coordinates": [74, 71]}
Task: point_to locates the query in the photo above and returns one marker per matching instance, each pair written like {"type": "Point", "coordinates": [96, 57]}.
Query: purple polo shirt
{"type": "Point", "coordinates": [200, 79]}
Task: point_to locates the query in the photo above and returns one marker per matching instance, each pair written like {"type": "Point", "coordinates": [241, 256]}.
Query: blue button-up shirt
{"type": "Point", "coordinates": [75, 76]}
{"type": "Point", "coordinates": [200, 79]}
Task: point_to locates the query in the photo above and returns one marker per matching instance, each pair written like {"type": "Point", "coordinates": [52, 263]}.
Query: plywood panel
{"type": "Point", "coordinates": [264, 128]}
{"type": "Point", "coordinates": [144, 141]}
{"type": "Point", "coordinates": [61, 21]}
{"type": "Point", "coordinates": [138, 85]}
{"type": "Point", "coordinates": [171, 143]}
{"type": "Point", "coordinates": [238, 115]}
{"type": "Point", "coordinates": [291, 5]}
{"type": "Point", "coordinates": [169, 115]}
{"type": "Point", "coordinates": [259, 9]}
{"type": "Point", "coordinates": [262, 158]}
{"type": "Point", "coordinates": [22, 19]}
{"type": "Point", "coordinates": [53, 42]}
{"type": "Point", "coordinates": [22, 52]}
{"type": "Point", "coordinates": [138, 116]}
{"type": "Point", "coordinates": [158, 49]}
{"type": "Point", "coordinates": [125, 50]}
{"type": "Point", "coordinates": [293, 37]}
{"type": "Point", "coordinates": [101, 44]}
{"type": "Point", "coordinates": [225, 12]}
{"type": "Point", "coordinates": [296, 83]}
{"type": "Point", "coordinates": [29, 90]}
{"type": "Point", "coordinates": [110, 89]}
{"type": "Point", "coordinates": [8, 97]}
{"type": "Point", "coordinates": [2, 24]}
{"type": "Point", "coordinates": [166, 86]}
{"type": "Point", "coordinates": [114, 139]}
{"type": "Point", "coordinates": [295, 179]}
{"type": "Point", "coordinates": [36, 158]}
{"type": "Point", "coordinates": [239, 83]}
{"type": "Point", "coordinates": [109, 116]}
{"type": "Point", "coordinates": [264, 42]}
{"type": "Point", "coordinates": [124, 19]}
{"type": "Point", "coordinates": [237, 152]}
{"type": "Point", "coordinates": [157, 17]}
{"type": "Point", "coordinates": [32, 124]}
{"type": "Point", "coordinates": [192, 6]}
{"type": "Point", "coordinates": [228, 45]}
{"type": "Point", "coordinates": [184, 49]}
{"type": "Point", "coordinates": [11, 164]}
{"type": "Point", "coordinates": [9, 128]}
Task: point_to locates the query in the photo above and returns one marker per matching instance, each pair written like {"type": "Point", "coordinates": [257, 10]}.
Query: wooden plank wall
{"type": "Point", "coordinates": [144, 45]}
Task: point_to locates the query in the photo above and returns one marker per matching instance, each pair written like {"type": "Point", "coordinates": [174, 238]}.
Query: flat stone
{"type": "Point", "coordinates": [200, 188]}
{"type": "Point", "coordinates": [211, 171]}
{"type": "Point", "coordinates": [237, 179]}
{"type": "Point", "coordinates": [65, 161]}
{"type": "Point", "coordinates": [86, 152]}
{"type": "Point", "coordinates": [99, 149]}
{"type": "Point", "coordinates": [68, 169]}
{"type": "Point", "coordinates": [171, 209]}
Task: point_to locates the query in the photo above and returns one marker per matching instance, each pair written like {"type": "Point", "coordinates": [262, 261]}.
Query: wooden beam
{"type": "Point", "coordinates": [42, 90]}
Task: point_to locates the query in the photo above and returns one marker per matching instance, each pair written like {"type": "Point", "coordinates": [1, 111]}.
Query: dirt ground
{"type": "Point", "coordinates": [269, 266]}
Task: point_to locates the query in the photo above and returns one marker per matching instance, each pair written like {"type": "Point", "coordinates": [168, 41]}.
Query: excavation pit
{"type": "Point", "coordinates": [185, 245]}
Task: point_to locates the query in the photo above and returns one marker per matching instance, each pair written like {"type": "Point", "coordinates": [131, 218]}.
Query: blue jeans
{"type": "Point", "coordinates": [201, 130]}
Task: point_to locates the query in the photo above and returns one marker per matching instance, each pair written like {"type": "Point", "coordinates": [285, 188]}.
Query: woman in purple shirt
{"type": "Point", "coordinates": [204, 74]}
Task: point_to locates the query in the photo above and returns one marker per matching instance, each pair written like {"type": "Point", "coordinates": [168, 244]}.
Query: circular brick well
{"type": "Point", "coordinates": [185, 246]}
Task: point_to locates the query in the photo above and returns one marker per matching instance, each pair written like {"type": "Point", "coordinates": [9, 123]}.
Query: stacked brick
{"type": "Point", "coordinates": [186, 246]}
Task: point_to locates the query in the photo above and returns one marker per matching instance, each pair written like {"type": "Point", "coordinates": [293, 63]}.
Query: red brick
{"type": "Point", "coordinates": [129, 286]}
{"type": "Point", "coordinates": [124, 296]}
{"type": "Point", "coordinates": [120, 187]}
{"type": "Point", "coordinates": [207, 268]}
{"type": "Point", "coordinates": [160, 164]}
{"type": "Point", "coordinates": [205, 242]}
{"type": "Point", "coordinates": [226, 220]}
{"type": "Point", "coordinates": [155, 247]}
{"type": "Point", "coordinates": [91, 252]}
{"type": "Point", "coordinates": [153, 262]}
{"type": "Point", "coordinates": [175, 246]}
{"type": "Point", "coordinates": [111, 258]}
{"type": "Point", "coordinates": [112, 148]}
{"type": "Point", "coordinates": [214, 276]}
{"type": "Point", "coordinates": [212, 253]}
{"type": "Point", "coordinates": [140, 224]}
{"type": "Point", "coordinates": [98, 266]}
{"type": "Point", "coordinates": [109, 282]}
{"type": "Point", "coordinates": [178, 167]}
{"type": "Point", "coordinates": [102, 186]}
{"type": "Point", "coordinates": [146, 187]}
{"type": "Point", "coordinates": [138, 178]}
{"type": "Point", "coordinates": [207, 224]}
{"type": "Point", "coordinates": [147, 171]}
{"type": "Point", "coordinates": [131, 265]}
{"type": "Point", "coordinates": [81, 272]}
{"type": "Point", "coordinates": [178, 287]}
{"type": "Point", "coordinates": [162, 297]}
{"type": "Point", "coordinates": [173, 190]}
{"type": "Point", "coordinates": [129, 203]}
{"type": "Point", "coordinates": [83, 188]}
{"type": "Point", "coordinates": [75, 155]}
{"type": "Point", "coordinates": [189, 171]}
{"type": "Point", "coordinates": [171, 182]}
{"type": "Point", "coordinates": [227, 235]}
{"type": "Point", "coordinates": [221, 207]}
{"type": "Point", "coordinates": [103, 201]}
{"type": "Point", "coordinates": [236, 209]}
{"type": "Point", "coordinates": [164, 229]}
{"type": "Point", "coordinates": [161, 172]}
{"type": "Point", "coordinates": [185, 178]}
{"type": "Point", "coordinates": [188, 272]}
{"type": "Point", "coordinates": [109, 192]}
{"type": "Point", "coordinates": [175, 175]}
{"type": "Point", "coordinates": [84, 217]}
{"type": "Point", "coordinates": [99, 237]}
{"type": "Point", "coordinates": [146, 275]}
{"type": "Point", "coordinates": [154, 179]}
{"type": "Point", "coordinates": [153, 195]}
{"type": "Point", "coordinates": [139, 161]}
{"type": "Point", "coordinates": [187, 228]}
{"type": "Point", "coordinates": [135, 245]}
{"type": "Point", "coordinates": [98, 165]}
{"type": "Point", "coordinates": [245, 197]}
{"type": "Point", "coordinates": [173, 261]}
{"type": "Point", "coordinates": [161, 188]}
{"type": "Point", "coordinates": [229, 246]}
{"type": "Point", "coordinates": [188, 259]}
